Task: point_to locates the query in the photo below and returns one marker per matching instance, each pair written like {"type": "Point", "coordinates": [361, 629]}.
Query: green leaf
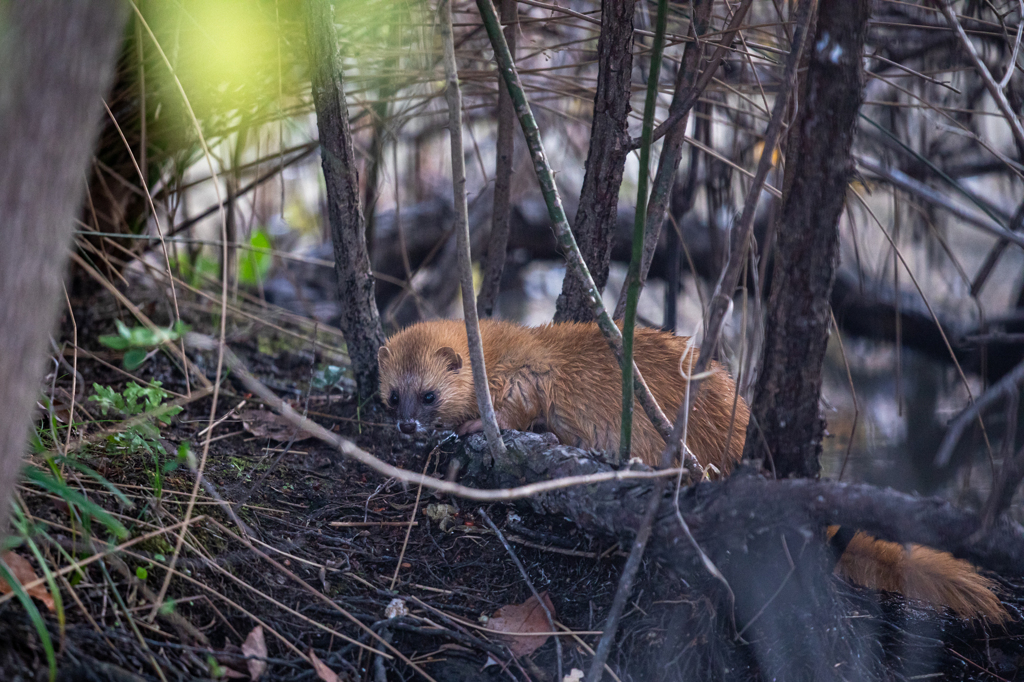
{"type": "Point", "coordinates": [327, 377]}
{"type": "Point", "coordinates": [114, 342]}
{"type": "Point", "coordinates": [215, 669]}
{"type": "Point", "coordinates": [253, 266]}
{"type": "Point", "coordinates": [134, 358]}
{"type": "Point", "coordinates": [165, 417]}
{"type": "Point", "coordinates": [107, 398]}
{"type": "Point", "coordinates": [141, 573]}
{"type": "Point", "coordinates": [35, 444]}
{"type": "Point", "coordinates": [123, 330]}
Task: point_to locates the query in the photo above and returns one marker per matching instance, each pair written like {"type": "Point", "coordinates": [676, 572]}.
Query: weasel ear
{"type": "Point", "coordinates": [449, 356]}
{"type": "Point", "coordinates": [383, 355]}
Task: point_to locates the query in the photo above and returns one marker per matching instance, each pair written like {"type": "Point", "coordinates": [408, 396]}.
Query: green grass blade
{"type": "Point", "coordinates": [34, 616]}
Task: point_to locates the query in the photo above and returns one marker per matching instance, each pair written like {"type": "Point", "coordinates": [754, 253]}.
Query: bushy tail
{"type": "Point", "coordinates": [919, 572]}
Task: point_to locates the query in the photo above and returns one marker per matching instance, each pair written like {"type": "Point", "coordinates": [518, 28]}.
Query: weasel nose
{"type": "Point", "coordinates": [407, 427]}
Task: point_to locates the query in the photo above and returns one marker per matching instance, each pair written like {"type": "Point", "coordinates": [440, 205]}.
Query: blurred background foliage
{"type": "Point", "coordinates": [241, 69]}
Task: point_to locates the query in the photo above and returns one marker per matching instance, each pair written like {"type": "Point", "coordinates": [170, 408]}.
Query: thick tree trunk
{"type": "Point", "coordinates": [610, 142]}
{"type": "Point", "coordinates": [360, 322]}
{"type": "Point", "coordinates": [58, 60]}
{"type": "Point", "coordinates": [807, 249]}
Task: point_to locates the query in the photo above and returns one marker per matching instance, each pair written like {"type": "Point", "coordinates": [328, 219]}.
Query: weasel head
{"type": "Point", "coordinates": [423, 379]}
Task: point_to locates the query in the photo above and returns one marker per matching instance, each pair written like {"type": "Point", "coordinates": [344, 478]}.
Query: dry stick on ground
{"type": "Point", "coordinates": [360, 322]}
{"type": "Point", "coordinates": [560, 225]}
{"type": "Point", "coordinates": [529, 583]}
{"type": "Point", "coordinates": [410, 523]}
{"type": "Point", "coordinates": [595, 218]}
{"type": "Point", "coordinates": [683, 99]}
{"type": "Point", "coordinates": [1008, 385]}
{"type": "Point", "coordinates": [351, 450]}
{"type": "Point", "coordinates": [319, 595]}
{"type": "Point", "coordinates": [721, 298]}
{"type": "Point", "coordinates": [78, 565]}
{"type": "Point", "coordinates": [504, 156]}
{"type": "Point", "coordinates": [476, 347]}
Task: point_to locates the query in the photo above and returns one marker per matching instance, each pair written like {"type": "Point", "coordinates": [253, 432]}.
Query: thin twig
{"type": "Point", "coordinates": [560, 224]}
{"type": "Point", "coordinates": [728, 35]}
{"type": "Point", "coordinates": [351, 450]}
{"type": "Point", "coordinates": [529, 583]}
{"type": "Point", "coordinates": [410, 523]}
{"type": "Point", "coordinates": [633, 282]}
{"type": "Point", "coordinates": [721, 299]}
{"type": "Point", "coordinates": [223, 308]}
{"type": "Point", "coordinates": [476, 347]}
{"type": "Point", "coordinates": [672, 147]}
{"type": "Point", "coordinates": [919, 189]}
{"type": "Point", "coordinates": [994, 89]}
{"type": "Point", "coordinates": [1006, 386]}
{"type": "Point", "coordinates": [625, 586]}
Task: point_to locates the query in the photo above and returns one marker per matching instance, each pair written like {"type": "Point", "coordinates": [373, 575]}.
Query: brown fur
{"type": "Point", "coordinates": [919, 572]}
{"type": "Point", "coordinates": [565, 377]}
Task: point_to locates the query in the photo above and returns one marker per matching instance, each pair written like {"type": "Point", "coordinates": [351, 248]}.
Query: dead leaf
{"type": "Point", "coordinates": [443, 515]}
{"type": "Point", "coordinates": [322, 671]}
{"type": "Point", "coordinates": [255, 649]}
{"type": "Point", "coordinates": [268, 424]}
{"type": "Point", "coordinates": [24, 574]}
{"type": "Point", "coordinates": [526, 617]}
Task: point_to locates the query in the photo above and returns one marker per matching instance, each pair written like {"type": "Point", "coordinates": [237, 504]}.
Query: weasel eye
{"type": "Point", "coordinates": [393, 398]}
{"type": "Point", "coordinates": [429, 397]}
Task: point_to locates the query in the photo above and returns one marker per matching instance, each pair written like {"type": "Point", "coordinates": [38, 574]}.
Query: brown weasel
{"type": "Point", "coordinates": [566, 377]}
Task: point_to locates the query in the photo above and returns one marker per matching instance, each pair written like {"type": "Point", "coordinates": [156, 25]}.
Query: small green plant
{"type": "Point", "coordinates": [254, 264]}
{"type": "Point", "coordinates": [141, 437]}
{"type": "Point", "coordinates": [139, 342]}
{"type": "Point", "coordinates": [215, 669]}
{"type": "Point", "coordinates": [134, 400]}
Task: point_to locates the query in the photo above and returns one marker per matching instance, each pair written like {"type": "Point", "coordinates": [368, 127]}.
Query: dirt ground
{"type": "Point", "coordinates": [330, 549]}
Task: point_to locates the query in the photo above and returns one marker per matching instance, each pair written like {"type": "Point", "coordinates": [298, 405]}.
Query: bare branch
{"type": "Point", "coordinates": [476, 346]}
